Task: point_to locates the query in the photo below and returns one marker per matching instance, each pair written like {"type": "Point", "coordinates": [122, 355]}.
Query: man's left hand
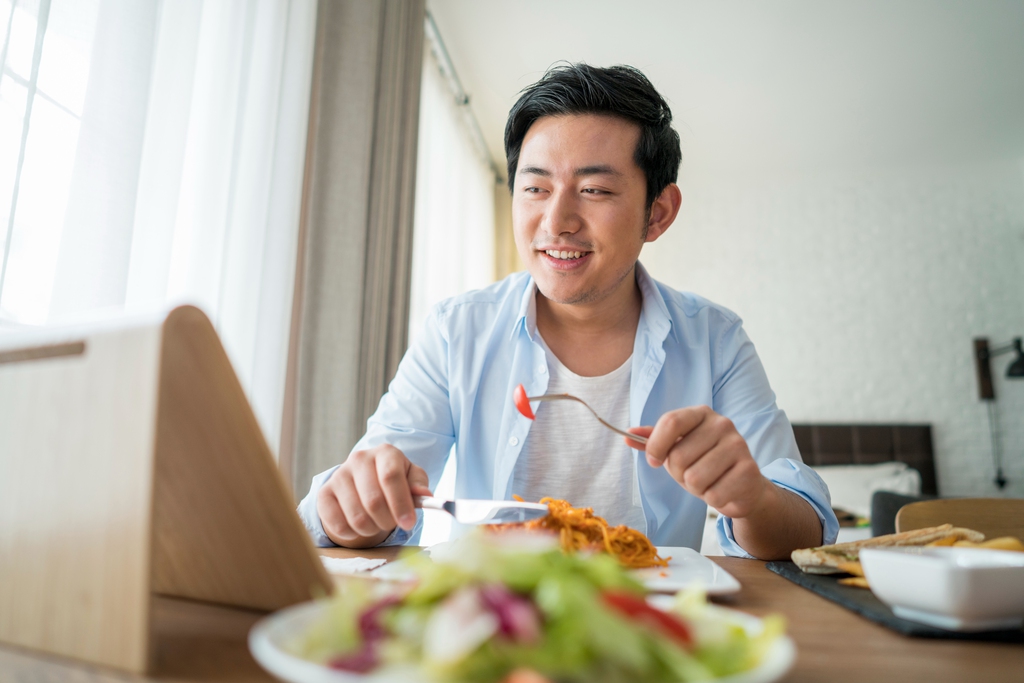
{"type": "Point", "coordinates": [702, 451]}
{"type": "Point", "coordinates": [707, 456]}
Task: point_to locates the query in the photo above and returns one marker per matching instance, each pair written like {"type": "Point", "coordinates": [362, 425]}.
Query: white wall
{"type": "Point", "coordinates": [862, 293]}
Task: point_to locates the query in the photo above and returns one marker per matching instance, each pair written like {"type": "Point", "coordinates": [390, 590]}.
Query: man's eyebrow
{"type": "Point", "coordinates": [599, 169]}
{"type": "Point", "coordinates": [535, 170]}
{"type": "Point", "coordinates": [596, 170]}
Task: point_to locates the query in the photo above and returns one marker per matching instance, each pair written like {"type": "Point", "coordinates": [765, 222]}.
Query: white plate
{"type": "Point", "coordinates": [957, 589]}
{"type": "Point", "coordinates": [270, 637]}
{"type": "Point", "coordinates": [687, 568]}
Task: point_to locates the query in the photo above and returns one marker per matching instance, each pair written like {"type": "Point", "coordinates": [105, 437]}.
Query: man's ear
{"type": "Point", "coordinates": [663, 211]}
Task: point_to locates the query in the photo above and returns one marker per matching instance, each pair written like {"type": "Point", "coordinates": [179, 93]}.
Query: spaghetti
{"type": "Point", "coordinates": [580, 529]}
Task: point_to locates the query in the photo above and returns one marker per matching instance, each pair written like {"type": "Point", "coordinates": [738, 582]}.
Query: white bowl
{"type": "Point", "coordinates": [958, 589]}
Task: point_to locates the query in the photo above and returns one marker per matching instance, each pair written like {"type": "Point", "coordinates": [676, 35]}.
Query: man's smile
{"type": "Point", "coordinates": [564, 259]}
{"type": "Point", "coordinates": [555, 253]}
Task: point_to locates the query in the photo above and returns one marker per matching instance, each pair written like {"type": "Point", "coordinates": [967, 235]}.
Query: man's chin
{"type": "Point", "coordinates": [567, 296]}
{"type": "Point", "coordinates": [575, 289]}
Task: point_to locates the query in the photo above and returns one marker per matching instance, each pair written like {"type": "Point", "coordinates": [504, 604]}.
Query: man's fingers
{"type": "Point", "coordinates": [671, 427]}
{"type": "Point", "coordinates": [705, 453]}
{"type": "Point", "coordinates": [355, 514]}
{"type": "Point", "coordinates": [392, 477]}
{"type": "Point", "coordinates": [371, 495]}
{"type": "Point", "coordinates": [417, 476]}
{"type": "Point", "coordinates": [331, 516]}
{"type": "Point", "coordinates": [418, 484]}
{"type": "Point", "coordinates": [421, 490]}
{"type": "Point", "coordinates": [700, 473]}
{"type": "Point", "coordinates": [639, 431]}
{"type": "Point", "coordinates": [690, 449]}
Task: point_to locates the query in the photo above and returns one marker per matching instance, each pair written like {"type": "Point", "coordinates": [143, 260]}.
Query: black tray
{"type": "Point", "coordinates": [864, 603]}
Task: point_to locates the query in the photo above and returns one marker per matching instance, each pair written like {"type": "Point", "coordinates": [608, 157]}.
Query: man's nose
{"type": "Point", "coordinates": [561, 216]}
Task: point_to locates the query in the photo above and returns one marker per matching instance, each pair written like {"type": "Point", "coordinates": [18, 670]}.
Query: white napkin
{"type": "Point", "coordinates": [350, 565]}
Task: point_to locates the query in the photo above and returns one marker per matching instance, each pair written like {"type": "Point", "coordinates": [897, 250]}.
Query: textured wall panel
{"type": "Point", "coordinates": [863, 293]}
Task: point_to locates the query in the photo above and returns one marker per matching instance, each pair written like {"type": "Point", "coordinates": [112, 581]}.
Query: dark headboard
{"type": "Point", "coordinates": [864, 444]}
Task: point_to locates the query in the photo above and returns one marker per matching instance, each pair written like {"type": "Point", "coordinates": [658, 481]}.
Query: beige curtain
{"type": "Point", "coordinates": [506, 257]}
{"type": "Point", "coordinates": [352, 305]}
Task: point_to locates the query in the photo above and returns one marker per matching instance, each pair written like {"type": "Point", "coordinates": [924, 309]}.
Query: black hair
{"type": "Point", "coordinates": [621, 91]}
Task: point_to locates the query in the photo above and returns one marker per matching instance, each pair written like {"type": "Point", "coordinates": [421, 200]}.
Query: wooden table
{"type": "Point", "coordinates": [202, 643]}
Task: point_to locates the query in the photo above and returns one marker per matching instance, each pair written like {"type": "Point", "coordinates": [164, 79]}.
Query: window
{"type": "Point", "coordinates": [152, 153]}
{"type": "Point", "coordinates": [45, 88]}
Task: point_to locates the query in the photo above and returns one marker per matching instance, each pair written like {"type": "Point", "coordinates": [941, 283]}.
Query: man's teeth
{"type": "Point", "coordinates": [563, 254]}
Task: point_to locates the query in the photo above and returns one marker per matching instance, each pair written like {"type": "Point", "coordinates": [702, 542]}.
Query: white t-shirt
{"type": "Point", "coordinates": [569, 455]}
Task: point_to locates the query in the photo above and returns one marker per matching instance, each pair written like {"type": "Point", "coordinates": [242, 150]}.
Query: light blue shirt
{"type": "Point", "coordinates": [452, 394]}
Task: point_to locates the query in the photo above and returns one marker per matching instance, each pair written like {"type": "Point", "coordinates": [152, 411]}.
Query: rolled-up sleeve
{"type": "Point", "coordinates": [308, 514]}
{"type": "Point", "coordinates": [743, 394]}
{"type": "Point", "coordinates": [803, 481]}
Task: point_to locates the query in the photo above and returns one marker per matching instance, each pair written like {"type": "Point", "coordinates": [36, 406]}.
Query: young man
{"type": "Point", "coordinates": [592, 160]}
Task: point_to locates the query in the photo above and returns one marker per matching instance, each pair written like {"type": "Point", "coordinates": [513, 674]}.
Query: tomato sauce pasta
{"type": "Point", "coordinates": [580, 529]}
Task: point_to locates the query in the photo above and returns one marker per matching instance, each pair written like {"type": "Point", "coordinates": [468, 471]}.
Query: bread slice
{"type": "Point", "coordinates": [827, 558]}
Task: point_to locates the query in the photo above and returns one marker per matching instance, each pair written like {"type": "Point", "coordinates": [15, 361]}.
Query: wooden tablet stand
{"type": "Point", "coordinates": [132, 467]}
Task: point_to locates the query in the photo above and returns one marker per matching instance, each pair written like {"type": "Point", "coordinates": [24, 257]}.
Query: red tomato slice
{"type": "Point", "coordinates": [522, 402]}
{"type": "Point", "coordinates": [525, 676]}
{"type": "Point", "coordinates": [637, 609]}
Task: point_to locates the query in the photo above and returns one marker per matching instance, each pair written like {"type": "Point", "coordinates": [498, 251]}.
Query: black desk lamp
{"type": "Point", "coordinates": [1016, 368]}
{"type": "Point", "coordinates": [986, 391]}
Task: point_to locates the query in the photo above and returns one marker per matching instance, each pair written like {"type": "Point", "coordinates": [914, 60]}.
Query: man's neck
{"type": "Point", "coordinates": [592, 339]}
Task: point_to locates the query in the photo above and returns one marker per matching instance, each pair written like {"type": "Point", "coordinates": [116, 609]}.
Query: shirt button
{"type": "Point", "coordinates": [513, 441]}
{"type": "Point", "coordinates": [542, 369]}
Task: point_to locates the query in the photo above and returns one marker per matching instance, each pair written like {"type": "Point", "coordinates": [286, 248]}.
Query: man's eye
{"type": "Point", "coordinates": [532, 190]}
{"type": "Point", "coordinates": [594, 190]}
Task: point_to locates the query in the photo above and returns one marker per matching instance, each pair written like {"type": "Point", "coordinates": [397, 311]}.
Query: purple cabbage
{"type": "Point", "coordinates": [361, 661]}
{"type": "Point", "coordinates": [370, 627]}
{"type": "Point", "coordinates": [518, 618]}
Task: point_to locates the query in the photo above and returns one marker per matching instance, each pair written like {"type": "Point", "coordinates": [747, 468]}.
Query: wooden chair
{"type": "Point", "coordinates": [993, 517]}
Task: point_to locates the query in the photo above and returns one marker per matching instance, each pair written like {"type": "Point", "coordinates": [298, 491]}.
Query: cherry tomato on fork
{"type": "Point", "coordinates": [522, 402]}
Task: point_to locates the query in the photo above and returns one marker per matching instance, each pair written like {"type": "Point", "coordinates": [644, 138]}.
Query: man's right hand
{"type": "Point", "coordinates": [369, 495]}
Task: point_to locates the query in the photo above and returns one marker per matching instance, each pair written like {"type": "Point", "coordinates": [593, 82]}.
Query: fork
{"type": "Point", "coordinates": [522, 402]}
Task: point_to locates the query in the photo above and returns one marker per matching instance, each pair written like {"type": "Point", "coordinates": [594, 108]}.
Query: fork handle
{"type": "Point", "coordinates": [570, 397]}
{"type": "Point", "coordinates": [428, 503]}
{"type": "Point", "coordinates": [628, 435]}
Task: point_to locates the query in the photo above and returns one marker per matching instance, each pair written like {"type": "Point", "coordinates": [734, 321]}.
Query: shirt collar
{"type": "Point", "coordinates": [527, 317]}
{"type": "Point", "coordinates": [654, 309]}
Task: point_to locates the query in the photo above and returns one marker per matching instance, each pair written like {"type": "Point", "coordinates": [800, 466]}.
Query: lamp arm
{"type": "Point", "coordinates": [1015, 345]}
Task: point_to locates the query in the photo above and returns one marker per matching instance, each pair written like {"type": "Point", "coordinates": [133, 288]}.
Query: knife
{"type": "Point", "coordinates": [484, 511]}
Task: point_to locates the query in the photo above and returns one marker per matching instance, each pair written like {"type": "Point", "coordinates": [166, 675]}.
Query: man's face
{"type": "Point", "coordinates": [578, 190]}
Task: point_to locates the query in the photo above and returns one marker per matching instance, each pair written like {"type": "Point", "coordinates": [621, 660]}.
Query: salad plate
{"type": "Point", "coordinates": [516, 607]}
{"type": "Point", "coordinates": [272, 642]}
